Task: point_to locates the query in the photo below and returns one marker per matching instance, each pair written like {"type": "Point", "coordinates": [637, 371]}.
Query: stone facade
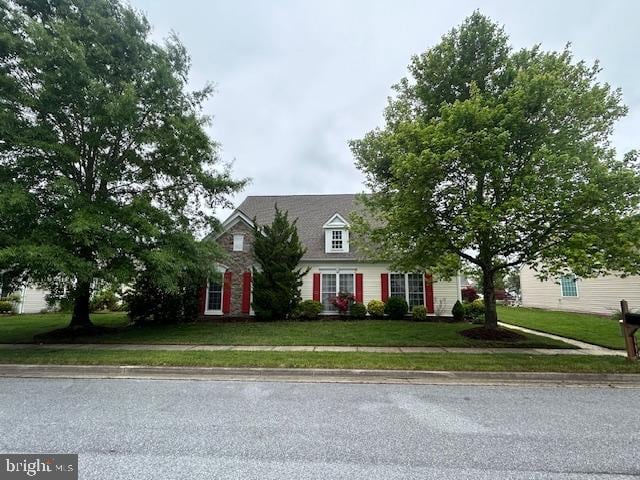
{"type": "Point", "coordinates": [237, 262]}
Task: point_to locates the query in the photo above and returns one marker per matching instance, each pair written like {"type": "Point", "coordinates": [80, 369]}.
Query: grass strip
{"type": "Point", "coordinates": [352, 360]}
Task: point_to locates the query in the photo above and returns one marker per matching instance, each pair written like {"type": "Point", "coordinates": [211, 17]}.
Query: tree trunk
{"type": "Point", "coordinates": [489, 292]}
{"type": "Point", "coordinates": [80, 316]}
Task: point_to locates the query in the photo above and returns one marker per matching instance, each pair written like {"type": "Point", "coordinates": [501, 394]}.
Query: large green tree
{"type": "Point", "coordinates": [277, 280]}
{"type": "Point", "coordinates": [106, 168]}
{"type": "Point", "coordinates": [497, 157]}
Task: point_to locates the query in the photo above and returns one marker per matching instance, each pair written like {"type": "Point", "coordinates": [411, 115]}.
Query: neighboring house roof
{"type": "Point", "coordinates": [312, 213]}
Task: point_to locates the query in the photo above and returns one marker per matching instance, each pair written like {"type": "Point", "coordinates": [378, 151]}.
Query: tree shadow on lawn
{"type": "Point", "coordinates": [77, 334]}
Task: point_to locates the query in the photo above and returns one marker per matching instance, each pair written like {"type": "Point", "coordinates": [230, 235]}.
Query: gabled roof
{"type": "Point", "coordinates": [236, 217]}
{"type": "Point", "coordinates": [336, 221]}
{"type": "Point", "coordinates": [312, 213]}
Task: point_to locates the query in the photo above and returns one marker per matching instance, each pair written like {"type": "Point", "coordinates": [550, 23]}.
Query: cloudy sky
{"type": "Point", "coordinates": [296, 80]}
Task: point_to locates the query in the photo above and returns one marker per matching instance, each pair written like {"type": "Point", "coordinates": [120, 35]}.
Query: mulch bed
{"type": "Point", "coordinates": [499, 334]}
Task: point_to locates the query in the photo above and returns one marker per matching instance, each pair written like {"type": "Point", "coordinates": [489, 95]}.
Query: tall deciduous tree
{"type": "Point", "coordinates": [277, 250]}
{"type": "Point", "coordinates": [499, 157]}
{"type": "Point", "coordinates": [105, 165]}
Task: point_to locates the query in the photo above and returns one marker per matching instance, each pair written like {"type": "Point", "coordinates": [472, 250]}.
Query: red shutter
{"type": "Point", "coordinates": [359, 287]}
{"type": "Point", "coordinates": [384, 283]}
{"type": "Point", "coordinates": [246, 292]}
{"type": "Point", "coordinates": [202, 300]}
{"type": "Point", "coordinates": [316, 287]}
{"type": "Point", "coordinates": [226, 293]}
{"type": "Point", "coordinates": [428, 290]}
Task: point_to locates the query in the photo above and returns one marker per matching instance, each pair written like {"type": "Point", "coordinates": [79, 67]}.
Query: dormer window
{"type": "Point", "coordinates": [336, 235]}
{"type": "Point", "coordinates": [336, 240]}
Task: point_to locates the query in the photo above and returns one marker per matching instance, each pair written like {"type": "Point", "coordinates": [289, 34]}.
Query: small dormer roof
{"type": "Point", "coordinates": [336, 221]}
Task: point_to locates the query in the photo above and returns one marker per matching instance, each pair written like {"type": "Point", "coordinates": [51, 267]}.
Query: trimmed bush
{"type": "Point", "coordinates": [458, 311]}
{"type": "Point", "coordinates": [375, 309]}
{"type": "Point", "coordinates": [309, 309]}
{"type": "Point", "coordinates": [6, 306]}
{"type": "Point", "coordinates": [358, 311]}
{"type": "Point", "coordinates": [396, 308]}
{"type": "Point", "coordinates": [474, 311]}
{"type": "Point", "coordinates": [419, 313]}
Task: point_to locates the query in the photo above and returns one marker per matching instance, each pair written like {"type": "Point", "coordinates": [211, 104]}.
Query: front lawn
{"type": "Point", "coordinates": [20, 329]}
{"type": "Point", "coordinates": [499, 362]}
{"type": "Point", "coordinates": [579, 326]}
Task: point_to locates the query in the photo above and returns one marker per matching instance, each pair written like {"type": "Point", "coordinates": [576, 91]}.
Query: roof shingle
{"type": "Point", "coordinates": [311, 212]}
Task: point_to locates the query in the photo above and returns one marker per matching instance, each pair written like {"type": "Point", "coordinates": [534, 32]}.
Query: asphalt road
{"type": "Point", "coordinates": [159, 429]}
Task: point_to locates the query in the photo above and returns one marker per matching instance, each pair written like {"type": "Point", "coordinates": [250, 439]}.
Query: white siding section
{"type": "Point", "coordinates": [32, 300]}
{"type": "Point", "coordinates": [445, 293]}
{"type": "Point", "coordinates": [600, 295]}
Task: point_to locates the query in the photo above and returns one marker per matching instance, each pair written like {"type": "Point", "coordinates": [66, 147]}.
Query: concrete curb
{"type": "Point", "coordinates": [318, 375]}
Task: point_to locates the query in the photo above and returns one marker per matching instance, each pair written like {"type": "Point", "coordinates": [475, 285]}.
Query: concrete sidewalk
{"type": "Point", "coordinates": [311, 348]}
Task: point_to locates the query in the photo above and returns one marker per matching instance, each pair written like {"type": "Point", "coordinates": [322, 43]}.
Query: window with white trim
{"type": "Point", "coordinates": [397, 285]}
{"type": "Point", "coordinates": [333, 283]}
{"type": "Point", "coordinates": [409, 286]}
{"type": "Point", "coordinates": [328, 290]}
{"type": "Point", "coordinates": [336, 240]}
{"type": "Point", "coordinates": [415, 290]}
{"type": "Point", "coordinates": [568, 286]}
{"type": "Point", "coordinates": [214, 297]}
{"type": "Point", "coordinates": [346, 283]}
{"type": "Point", "coordinates": [238, 243]}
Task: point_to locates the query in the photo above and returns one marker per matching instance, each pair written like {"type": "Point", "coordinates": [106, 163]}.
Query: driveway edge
{"type": "Point", "coordinates": [317, 375]}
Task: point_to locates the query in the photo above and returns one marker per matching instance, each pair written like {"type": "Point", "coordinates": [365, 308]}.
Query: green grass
{"type": "Point", "coordinates": [359, 360]}
{"type": "Point", "coordinates": [20, 329]}
{"type": "Point", "coordinates": [579, 326]}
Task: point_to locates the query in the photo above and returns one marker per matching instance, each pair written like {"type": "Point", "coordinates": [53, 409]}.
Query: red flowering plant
{"type": "Point", "coordinates": [343, 302]}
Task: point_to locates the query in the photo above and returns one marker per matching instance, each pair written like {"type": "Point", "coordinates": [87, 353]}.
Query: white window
{"type": "Point", "coordinates": [333, 283]}
{"type": "Point", "coordinates": [214, 298]}
{"type": "Point", "coordinates": [215, 293]}
{"type": "Point", "coordinates": [336, 240]}
{"type": "Point", "coordinates": [415, 292]}
{"type": "Point", "coordinates": [569, 286]}
{"type": "Point", "coordinates": [398, 284]}
{"type": "Point", "coordinates": [238, 243]}
{"type": "Point", "coordinates": [328, 291]}
{"type": "Point", "coordinates": [409, 286]}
